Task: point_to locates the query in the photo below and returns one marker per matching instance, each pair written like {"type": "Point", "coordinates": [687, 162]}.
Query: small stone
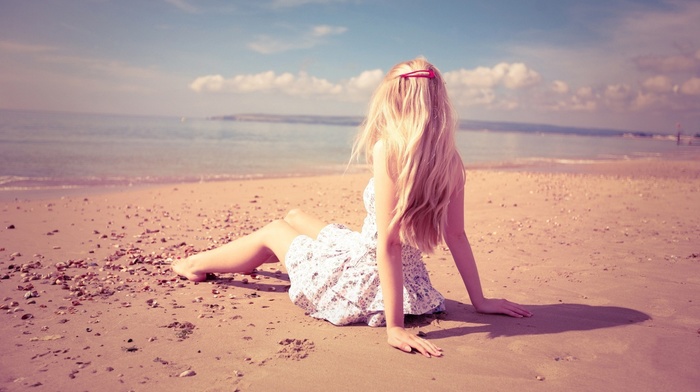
{"type": "Point", "coordinates": [188, 373]}
{"type": "Point", "coordinates": [30, 294]}
{"type": "Point", "coordinates": [540, 378]}
{"type": "Point", "coordinates": [11, 227]}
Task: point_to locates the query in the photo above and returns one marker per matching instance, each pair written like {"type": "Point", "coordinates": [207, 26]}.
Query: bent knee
{"type": "Point", "coordinates": [276, 226]}
{"type": "Point", "coordinates": [294, 215]}
{"type": "Point", "coordinates": [277, 235]}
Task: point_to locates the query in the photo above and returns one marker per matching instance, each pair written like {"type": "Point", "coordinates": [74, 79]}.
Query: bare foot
{"type": "Point", "coordinates": [187, 268]}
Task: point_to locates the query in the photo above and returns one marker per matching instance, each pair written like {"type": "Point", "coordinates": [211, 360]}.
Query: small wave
{"type": "Point", "coordinates": [5, 180]}
{"type": "Point", "coordinates": [17, 183]}
{"type": "Point", "coordinates": [562, 161]}
{"type": "Point", "coordinates": [545, 164]}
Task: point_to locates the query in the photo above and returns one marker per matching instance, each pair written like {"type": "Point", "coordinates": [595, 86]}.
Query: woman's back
{"type": "Point", "coordinates": [411, 117]}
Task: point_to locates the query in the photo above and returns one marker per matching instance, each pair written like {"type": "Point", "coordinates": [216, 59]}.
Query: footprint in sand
{"type": "Point", "coordinates": [296, 349]}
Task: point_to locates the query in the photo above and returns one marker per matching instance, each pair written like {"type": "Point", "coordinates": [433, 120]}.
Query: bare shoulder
{"type": "Point", "coordinates": [378, 149]}
{"type": "Point", "coordinates": [380, 167]}
{"type": "Point", "coordinates": [459, 176]}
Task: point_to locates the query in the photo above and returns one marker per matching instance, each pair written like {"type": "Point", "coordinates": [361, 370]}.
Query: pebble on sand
{"type": "Point", "coordinates": [188, 373]}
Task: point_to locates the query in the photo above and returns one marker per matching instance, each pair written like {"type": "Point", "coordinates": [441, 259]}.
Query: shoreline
{"type": "Point", "coordinates": [607, 260]}
{"type": "Point", "coordinates": [66, 188]}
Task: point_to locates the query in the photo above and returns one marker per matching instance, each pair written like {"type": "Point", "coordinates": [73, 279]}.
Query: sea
{"type": "Point", "coordinates": [48, 150]}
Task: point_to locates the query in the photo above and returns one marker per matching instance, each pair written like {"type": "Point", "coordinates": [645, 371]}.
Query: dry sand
{"type": "Point", "coordinates": [607, 259]}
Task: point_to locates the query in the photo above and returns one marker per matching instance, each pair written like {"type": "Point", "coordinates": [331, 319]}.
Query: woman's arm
{"type": "Point", "coordinates": [389, 261]}
{"type": "Point", "coordinates": [461, 250]}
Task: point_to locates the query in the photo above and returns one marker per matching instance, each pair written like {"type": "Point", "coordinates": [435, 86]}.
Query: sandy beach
{"type": "Point", "coordinates": [607, 258]}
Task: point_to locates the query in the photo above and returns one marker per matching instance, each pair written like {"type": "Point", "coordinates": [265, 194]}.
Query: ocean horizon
{"type": "Point", "coordinates": [45, 150]}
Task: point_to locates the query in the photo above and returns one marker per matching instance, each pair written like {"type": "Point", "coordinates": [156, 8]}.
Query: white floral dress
{"type": "Point", "coordinates": [334, 277]}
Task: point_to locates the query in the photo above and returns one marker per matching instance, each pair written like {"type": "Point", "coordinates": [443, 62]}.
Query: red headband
{"type": "Point", "coordinates": [421, 73]}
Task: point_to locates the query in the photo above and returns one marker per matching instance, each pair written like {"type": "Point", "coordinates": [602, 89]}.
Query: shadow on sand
{"type": "Point", "coordinates": [258, 281]}
{"type": "Point", "coordinates": [546, 319]}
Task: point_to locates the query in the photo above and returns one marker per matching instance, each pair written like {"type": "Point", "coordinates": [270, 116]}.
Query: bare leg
{"type": "Point", "coordinates": [304, 224]}
{"type": "Point", "coordinates": [241, 255]}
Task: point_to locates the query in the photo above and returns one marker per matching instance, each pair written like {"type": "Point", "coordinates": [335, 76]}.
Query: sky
{"type": "Point", "coordinates": [630, 65]}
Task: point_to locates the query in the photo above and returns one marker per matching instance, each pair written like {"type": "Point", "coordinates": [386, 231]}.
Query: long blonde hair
{"type": "Point", "coordinates": [414, 119]}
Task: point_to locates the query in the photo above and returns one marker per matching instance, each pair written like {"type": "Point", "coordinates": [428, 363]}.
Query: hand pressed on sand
{"type": "Point", "coordinates": [399, 338]}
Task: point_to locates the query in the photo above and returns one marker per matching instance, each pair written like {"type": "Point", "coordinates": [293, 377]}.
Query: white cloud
{"type": "Point", "coordinates": [495, 88]}
{"type": "Point", "coordinates": [300, 85]}
{"type": "Point", "coordinates": [560, 87]}
{"type": "Point", "coordinates": [502, 87]}
{"type": "Point", "coordinates": [618, 97]}
{"type": "Point", "coordinates": [582, 100]}
{"type": "Point", "coordinates": [208, 83]}
{"type": "Point", "coordinates": [518, 75]}
{"type": "Point", "coordinates": [480, 77]}
{"type": "Point", "coordinates": [478, 96]}
{"type": "Point", "coordinates": [691, 86]}
{"type": "Point", "coordinates": [491, 87]}
{"type": "Point", "coordinates": [308, 39]}
{"type": "Point", "coordinates": [584, 92]}
{"type": "Point", "coordinates": [646, 64]}
{"type": "Point", "coordinates": [647, 101]}
{"type": "Point", "coordinates": [512, 76]}
{"type": "Point", "coordinates": [365, 83]}
{"type": "Point", "coordinates": [658, 84]}
{"type": "Point", "coordinates": [324, 30]}
{"type": "Point", "coordinates": [617, 92]}
{"type": "Point", "coordinates": [578, 103]}
{"type": "Point", "coordinates": [668, 64]}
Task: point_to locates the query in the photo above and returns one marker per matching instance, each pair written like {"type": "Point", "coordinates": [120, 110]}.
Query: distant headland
{"type": "Point", "coordinates": [467, 125]}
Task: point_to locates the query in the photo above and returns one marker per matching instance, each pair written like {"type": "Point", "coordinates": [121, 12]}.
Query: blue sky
{"type": "Point", "coordinates": [614, 64]}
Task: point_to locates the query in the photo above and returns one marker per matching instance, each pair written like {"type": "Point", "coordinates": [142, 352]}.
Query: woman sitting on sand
{"type": "Point", "coordinates": [414, 201]}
